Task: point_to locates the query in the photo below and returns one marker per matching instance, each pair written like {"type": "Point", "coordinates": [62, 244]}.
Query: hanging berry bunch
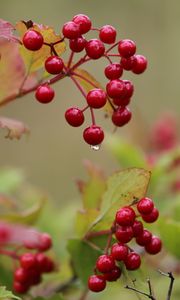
{"type": "Point", "coordinates": [125, 228]}
{"type": "Point", "coordinates": [118, 91]}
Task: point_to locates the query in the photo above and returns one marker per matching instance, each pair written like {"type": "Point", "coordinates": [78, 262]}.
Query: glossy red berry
{"type": "Point", "coordinates": [137, 228]}
{"type": "Point", "coordinates": [95, 48]}
{"type": "Point", "coordinates": [113, 275]}
{"type": "Point", "coordinates": [19, 287]}
{"type": "Point", "coordinates": [121, 116]}
{"type": "Point", "coordinates": [144, 238]}
{"type": "Point", "coordinates": [133, 261]}
{"type": "Point", "coordinates": [77, 45]}
{"type": "Point", "coordinates": [49, 265]}
{"type": "Point", "coordinates": [145, 206]}
{"type": "Point", "coordinates": [45, 242]}
{"type": "Point", "coordinates": [74, 116]}
{"type": "Point", "coordinates": [96, 283]}
{"type": "Point", "coordinates": [107, 34]}
{"type": "Point", "coordinates": [44, 94]}
{"type": "Point", "coordinates": [33, 40]}
{"type": "Point", "coordinates": [126, 48]}
{"type": "Point", "coordinates": [116, 88]}
{"type": "Point", "coordinates": [154, 246]}
{"type": "Point", "coordinates": [127, 63]}
{"type": "Point", "coordinates": [105, 263]}
{"type": "Point", "coordinates": [21, 275]}
{"type": "Point", "coordinates": [96, 98]}
{"type": "Point", "coordinates": [125, 216]}
{"type": "Point", "coordinates": [121, 101]}
{"type": "Point", "coordinates": [83, 21]}
{"type": "Point", "coordinates": [54, 65]}
{"type": "Point", "coordinates": [71, 30]}
{"type": "Point", "coordinates": [119, 251]}
{"type": "Point", "coordinates": [93, 135]}
{"type": "Point", "coordinates": [35, 276]}
{"type": "Point", "coordinates": [129, 89]}
{"type": "Point", "coordinates": [113, 71]}
{"type": "Point", "coordinates": [152, 217]}
{"type": "Point", "coordinates": [124, 234]}
{"type": "Point", "coordinates": [140, 64]}
{"type": "Point", "coordinates": [28, 261]}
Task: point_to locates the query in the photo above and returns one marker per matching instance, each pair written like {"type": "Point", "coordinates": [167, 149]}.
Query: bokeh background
{"type": "Point", "coordinates": [52, 156]}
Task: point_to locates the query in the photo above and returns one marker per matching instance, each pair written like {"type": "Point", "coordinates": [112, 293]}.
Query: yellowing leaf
{"type": "Point", "coordinates": [34, 60]}
{"type": "Point", "coordinates": [15, 128]}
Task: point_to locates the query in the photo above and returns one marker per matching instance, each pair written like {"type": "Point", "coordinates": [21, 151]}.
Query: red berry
{"type": "Point", "coordinates": [121, 116]}
{"type": "Point", "coordinates": [96, 283]}
{"type": "Point", "coordinates": [140, 64]}
{"type": "Point", "coordinates": [107, 34]}
{"type": "Point", "coordinates": [77, 45]}
{"type": "Point", "coordinates": [84, 23]}
{"type": "Point", "coordinates": [20, 288]}
{"type": "Point", "coordinates": [21, 275]}
{"type": "Point", "coordinates": [121, 102]}
{"type": "Point", "coordinates": [137, 228]}
{"type": "Point", "coordinates": [154, 246]}
{"type": "Point", "coordinates": [152, 217]}
{"type": "Point", "coordinates": [126, 48]}
{"type": "Point", "coordinates": [71, 30]}
{"type": "Point", "coordinates": [28, 261]}
{"type": "Point", "coordinates": [144, 238]}
{"type": "Point", "coordinates": [74, 116]}
{"type": "Point", "coordinates": [44, 263]}
{"type": "Point", "coordinates": [44, 94]}
{"type": "Point", "coordinates": [133, 261]}
{"type": "Point", "coordinates": [116, 88]}
{"type": "Point", "coordinates": [145, 206]}
{"type": "Point", "coordinates": [45, 242]}
{"type": "Point", "coordinates": [105, 263]}
{"type": "Point", "coordinates": [127, 63]}
{"type": "Point", "coordinates": [124, 234]}
{"type": "Point", "coordinates": [129, 89]}
{"type": "Point", "coordinates": [34, 276]}
{"type": "Point", "coordinates": [96, 98]}
{"type": "Point", "coordinates": [119, 251]}
{"type": "Point", "coordinates": [54, 65]}
{"type": "Point", "coordinates": [113, 71]}
{"type": "Point", "coordinates": [125, 216]}
{"type": "Point", "coordinates": [113, 275]}
{"type": "Point", "coordinates": [93, 135]}
{"type": "Point", "coordinates": [95, 48]}
{"type": "Point", "coordinates": [33, 40]}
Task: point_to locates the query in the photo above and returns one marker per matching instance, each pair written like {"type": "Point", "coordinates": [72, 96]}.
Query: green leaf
{"type": "Point", "coordinates": [83, 257]}
{"type": "Point", "coordinates": [4, 294]}
{"type": "Point", "coordinates": [84, 219]}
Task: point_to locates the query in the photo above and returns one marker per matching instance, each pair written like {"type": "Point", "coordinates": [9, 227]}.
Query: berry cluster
{"type": "Point", "coordinates": [118, 92]}
{"type": "Point", "coordinates": [126, 227]}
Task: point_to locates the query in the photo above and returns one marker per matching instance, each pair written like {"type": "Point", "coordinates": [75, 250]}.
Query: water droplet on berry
{"type": "Point", "coordinates": [95, 147]}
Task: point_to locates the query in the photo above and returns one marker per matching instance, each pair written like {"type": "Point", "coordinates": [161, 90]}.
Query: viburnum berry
{"type": "Point", "coordinates": [77, 45]}
{"type": "Point", "coordinates": [125, 216]}
{"type": "Point", "coordinates": [84, 23]}
{"type": "Point", "coordinates": [35, 276]}
{"type": "Point", "coordinates": [95, 48]}
{"type": "Point", "coordinates": [152, 217]}
{"type": "Point", "coordinates": [121, 101]}
{"type": "Point", "coordinates": [96, 98]}
{"type": "Point", "coordinates": [21, 275]}
{"type": "Point", "coordinates": [54, 65]}
{"type": "Point", "coordinates": [133, 261]}
{"type": "Point", "coordinates": [145, 206]}
{"type": "Point", "coordinates": [144, 238]}
{"type": "Point", "coordinates": [154, 246]}
{"type": "Point", "coordinates": [129, 89]}
{"type": "Point", "coordinates": [139, 64]}
{"type": "Point", "coordinates": [45, 242]}
{"type": "Point", "coordinates": [44, 94]}
{"type": "Point", "coordinates": [105, 263]}
{"type": "Point", "coordinates": [113, 71]}
{"type": "Point", "coordinates": [33, 40]}
{"type": "Point", "coordinates": [28, 260]}
{"type": "Point", "coordinates": [93, 135]}
{"type": "Point", "coordinates": [127, 63]}
{"type": "Point", "coordinates": [107, 34]}
{"type": "Point", "coordinates": [71, 30]}
{"type": "Point", "coordinates": [20, 288]}
{"type": "Point", "coordinates": [121, 116]}
{"type": "Point", "coordinates": [74, 116]}
{"type": "Point", "coordinates": [96, 283]}
{"type": "Point", "coordinates": [124, 234]}
{"type": "Point", "coordinates": [137, 228]}
{"type": "Point", "coordinates": [119, 251]}
{"type": "Point", "coordinates": [126, 48]}
{"type": "Point", "coordinates": [113, 275]}
{"type": "Point", "coordinates": [116, 88]}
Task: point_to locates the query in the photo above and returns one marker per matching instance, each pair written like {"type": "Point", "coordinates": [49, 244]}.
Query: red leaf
{"type": "Point", "coordinates": [6, 31]}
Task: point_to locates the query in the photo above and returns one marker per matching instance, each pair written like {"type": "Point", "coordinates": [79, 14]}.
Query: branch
{"type": "Point", "coordinates": [170, 275]}
{"type": "Point", "coordinates": [142, 293]}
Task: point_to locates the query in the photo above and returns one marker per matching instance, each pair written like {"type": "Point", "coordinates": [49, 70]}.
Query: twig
{"type": "Point", "coordinates": [170, 275]}
{"type": "Point", "coordinates": [84, 294]}
{"type": "Point", "coordinates": [142, 293]}
{"type": "Point", "coordinates": [150, 287]}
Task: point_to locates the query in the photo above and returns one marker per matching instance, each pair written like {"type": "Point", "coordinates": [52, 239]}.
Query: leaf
{"type": "Point", "coordinates": [34, 60]}
{"type": "Point", "coordinates": [84, 219]}
{"type": "Point", "coordinates": [122, 188]}
{"type": "Point", "coordinates": [90, 84]}
{"type": "Point", "coordinates": [83, 258]}
{"type": "Point", "coordinates": [10, 180]}
{"type": "Point", "coordinates": [6, 31]}
{"type": "Point", "coordinates": [15, 128]}
{"type": "Point", "coordinates": [5, 294]}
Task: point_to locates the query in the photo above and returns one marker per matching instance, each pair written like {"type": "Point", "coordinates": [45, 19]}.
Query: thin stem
{"type": "Point", "coordinates": [96, 29]}
{"type": "Point", "coordinates": [86, 107]}
{"type": "Point", "coordinates": [108, 245]}
{"type": "Point", "coordinates": [150, 287]}
{"type": "Point", "coordinates": [79, 63]}
{"type": "Point", "coordinates": [84, 78]}
{"type": "Point", "coordinates": [114, 55]}
{"type": "Point", "coordinates": [70, 59]}
{"type": "Point", "coordinates": [107, 57]}
{"type": "Point", "coordinates": [92, 116]}
{"type": "Point", "coordinates": [11, 254]}
{"type": "Point", "coordinates": [78, 86]}
{"type": "Point", "coordinates": [142, 293]}
{"type": "Point", "coordinates": [90, 235]}
{"type": "Point", "coordinates": [108, 50]}
{"type": "Point", "coordinates": [170, 275]}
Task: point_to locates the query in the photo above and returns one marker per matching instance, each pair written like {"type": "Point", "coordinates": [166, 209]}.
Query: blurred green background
{"type": "Point", "coordinates": [52, 155]}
